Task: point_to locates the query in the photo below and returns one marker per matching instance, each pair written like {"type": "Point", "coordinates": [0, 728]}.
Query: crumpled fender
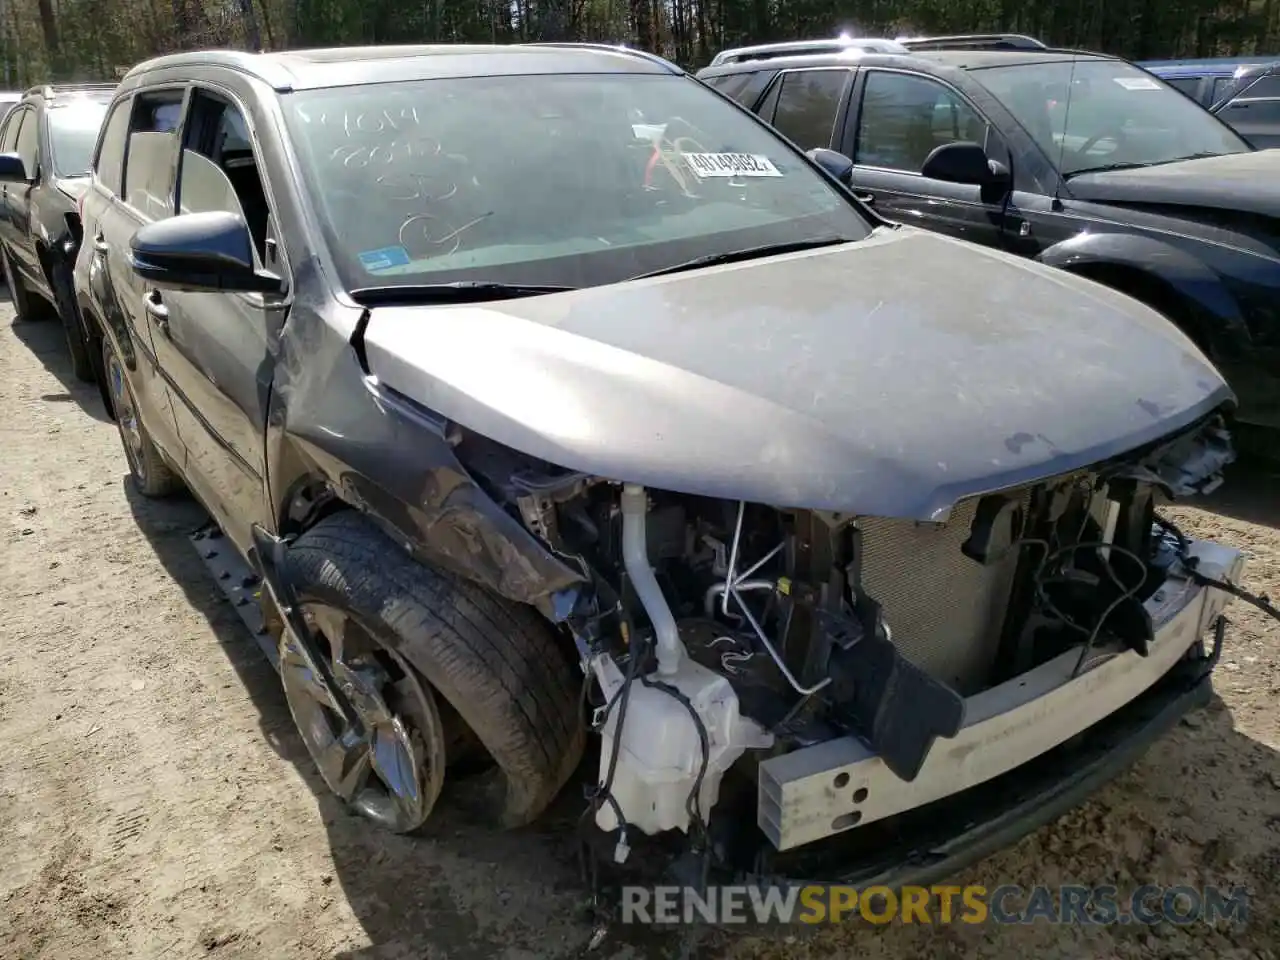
{"type": "Point", "coordinates": [1216, 309]}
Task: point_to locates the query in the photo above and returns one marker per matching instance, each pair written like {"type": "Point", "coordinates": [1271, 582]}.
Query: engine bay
{"type": "Point", "coordinates": [716, 634]}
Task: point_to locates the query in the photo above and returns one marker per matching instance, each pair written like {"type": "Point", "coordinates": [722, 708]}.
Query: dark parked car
{"type": "Point", "coordinates": [45, 146]}
{"type": "Point", "coordinates": [1245, 95]}
{"type": "Point", "coordinates": [619, 388]}
{"type": "Point", "coordinates": [1078, 160]}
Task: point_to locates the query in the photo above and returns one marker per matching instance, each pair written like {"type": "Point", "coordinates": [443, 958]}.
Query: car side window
{"type": "Point", "coordinates": [152, 153]}
{"type": "Point", "coordinates": [1259, 103]}
{"type": "Point", "coordinates": [1188, 85]}
{"type": "Point", "coordinates": [109, 164]}
{"type": "Point", "coordinates": [808, 102]}
{"type": "Point", "coordinates": [9, 142]}
{"type": "Point", "coordinates": [219, 170]}
{"type": "Point", "coordinates": [905, 117]}
{"type": "Point", "coordinates": [744, 87]}
{"type": "Point", "coordinates": [28, 145]}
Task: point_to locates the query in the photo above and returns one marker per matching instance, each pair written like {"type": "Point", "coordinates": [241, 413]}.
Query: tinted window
{"type": "Point", "coordinates": [743, 87]}
{"type": "Point", "coordinates": [904, 117]}
{"type": "Point", "coordinates": [110, 163]}
{"type": "Point", "coordinates": [807, 106]}
{"type": "Point", "coordinates": [152, 154]}
{"type": "Point", "coordinates": [1097, 113]}
{"type": "Point", "coordinates": [1188, 85]}
{"type": "Point", "coordinates": [28, 146]}
{"type": "Point", "coordinates": [571, 179]}
{"type": "Point", "coordinates": [73, 131]}
{"type": "Point", "coordinates": [1221, 87]}
{"type": "Point", "coordinates": [9, 143]}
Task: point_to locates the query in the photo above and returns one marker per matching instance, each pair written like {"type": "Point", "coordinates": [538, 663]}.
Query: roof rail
{"type": "Point", "coordinates": [974, 41]}
{"type": "Point", "coordinates": [796, 48]}
{"type": "Point", "coordinates": [48, 90]}
{"type": "Point", "coordinates": [611, 48]}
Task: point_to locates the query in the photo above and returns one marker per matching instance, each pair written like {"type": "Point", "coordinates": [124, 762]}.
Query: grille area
{"type": "Point", "coordinates": [945, 610]}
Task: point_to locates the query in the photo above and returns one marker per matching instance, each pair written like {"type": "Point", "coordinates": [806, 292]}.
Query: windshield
{"type": "Point", "coordinates": [1106, 113]}
{"type": "Point", "coordinates": [73, 132]}
{"type": "Point", "coordinates": [575, 180]}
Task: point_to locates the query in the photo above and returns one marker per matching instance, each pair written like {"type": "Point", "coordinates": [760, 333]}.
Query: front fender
{"type": "Point", "coordinates": [1215, 309]}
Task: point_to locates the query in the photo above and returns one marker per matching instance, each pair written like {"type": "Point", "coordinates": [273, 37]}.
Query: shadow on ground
{"type": "Point", "coordinates": [45, 339]}
{"type": "Point", "coordinates": [1249, 493]}
{"type": "Point", "coordinates": [464, 891]}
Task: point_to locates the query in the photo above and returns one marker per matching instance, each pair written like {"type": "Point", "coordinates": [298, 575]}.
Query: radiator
{"type": "Point", "coordinates": [944, 610]}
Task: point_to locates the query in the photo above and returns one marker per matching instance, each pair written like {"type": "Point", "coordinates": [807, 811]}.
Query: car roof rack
{"type": "Point", "coordinates": [608, 48]}
{"type": "Point", "coordinates": [799, 48]}
{"type": "Point", "coordinates": [973, 41]}
{"type": "Point", "coordinates": [48, 90]}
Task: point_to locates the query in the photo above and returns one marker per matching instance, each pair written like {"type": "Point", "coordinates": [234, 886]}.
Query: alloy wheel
{"type": "Point", "coordinates": [384, 754]}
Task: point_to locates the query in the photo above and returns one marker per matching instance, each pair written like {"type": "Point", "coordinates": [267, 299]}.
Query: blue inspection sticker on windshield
{"type": "Point", "coordinates": [384, 259]}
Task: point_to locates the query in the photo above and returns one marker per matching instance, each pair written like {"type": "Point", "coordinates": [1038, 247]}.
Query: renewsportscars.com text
{"type": "Point", "coordinates": [1006, 904]}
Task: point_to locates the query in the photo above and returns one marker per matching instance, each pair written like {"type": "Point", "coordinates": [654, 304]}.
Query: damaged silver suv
{"type": "Point", "coordinates": [514, 377]}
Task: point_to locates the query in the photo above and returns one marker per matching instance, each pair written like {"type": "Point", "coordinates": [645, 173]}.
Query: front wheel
{"type": "Point", "coordinates": [403, 634]}
{"type": "Point", "coordinates": [151, 475]}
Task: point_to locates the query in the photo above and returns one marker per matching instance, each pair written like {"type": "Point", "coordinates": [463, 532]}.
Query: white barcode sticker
{"type": "Point", "coordinates": [1137, 83]}
{"type": "Point", "coordinates": [731, 165]}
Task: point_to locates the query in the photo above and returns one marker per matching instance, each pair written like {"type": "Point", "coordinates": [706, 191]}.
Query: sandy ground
{"type": "Point", "coordinates": [155, 801]}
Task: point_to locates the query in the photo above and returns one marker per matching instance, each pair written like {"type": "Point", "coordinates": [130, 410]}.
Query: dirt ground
{"type": "Point", "coordinates": [156, 802]}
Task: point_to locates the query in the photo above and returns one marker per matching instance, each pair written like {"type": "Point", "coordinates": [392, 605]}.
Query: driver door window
{"type": "Point", "coordinates": [905, 117]}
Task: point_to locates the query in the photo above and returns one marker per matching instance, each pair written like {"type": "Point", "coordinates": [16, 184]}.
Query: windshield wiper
{"type": "Point", "coordinates": [1104, 168]}
{"type": "Point", "coordinates": [749, 253]}
{"type": "Point", "coordinates": [1132, 166]}
{"type": "Point", "coordinates": [459, 291]}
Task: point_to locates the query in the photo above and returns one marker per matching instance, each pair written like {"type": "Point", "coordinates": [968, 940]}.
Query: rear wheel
{"type": "Point", "coordinates": [496, 663]}
{"type": "Point", "coordinates": [151, 475]}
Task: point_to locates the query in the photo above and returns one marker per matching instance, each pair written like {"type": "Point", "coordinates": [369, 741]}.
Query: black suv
{"type": "Point", "coordinates": [1078, 160]}
{"type": "Point", "coordinates": [46, 142]}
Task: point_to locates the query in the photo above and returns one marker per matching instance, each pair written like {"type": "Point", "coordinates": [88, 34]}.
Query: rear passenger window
{"type": "Point", "coordinates": [110, 161]}
{"type": "Point", "coordinates": [1188, 85]}
{"type": "Point", "coordinates": [744, 87]}
{"type": "Point", "coordinates": [152, 154]}
{"type": "Point", "coordinates": [807, 106]}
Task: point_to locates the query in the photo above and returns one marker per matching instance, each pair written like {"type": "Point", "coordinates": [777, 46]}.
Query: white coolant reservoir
{"type": "Point", "coordinates": [660, 751]}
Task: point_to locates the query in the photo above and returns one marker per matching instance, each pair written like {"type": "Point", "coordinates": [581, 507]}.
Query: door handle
{"type": "Point", "coordinates": [867, 198]}
{"type": "Point", "coordinates": [159, 312]}
{"type": "Point", "coordinates": [100, 244]}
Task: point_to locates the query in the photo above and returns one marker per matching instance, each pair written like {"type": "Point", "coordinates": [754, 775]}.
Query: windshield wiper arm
{"type": "Point", "coordinates": [749, 253]}
{"type": "Point", "coordinates": [459, 291]}
{"type": "Point", "coordinates": [1103, 168]}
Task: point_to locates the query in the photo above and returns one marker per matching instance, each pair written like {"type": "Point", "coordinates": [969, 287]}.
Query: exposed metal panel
{"type": "Point", "coordinates": [945, 610]}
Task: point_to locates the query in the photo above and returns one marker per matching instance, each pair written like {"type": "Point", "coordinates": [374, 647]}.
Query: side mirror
{"type": "Point", "coordinates": [964, 162]}
{"type": "Point", "coordinates": [200, 252]}
{"type": "Point", "coordinates": [834, 162]}
{"type": "Point", "coordinates": [12, 169]}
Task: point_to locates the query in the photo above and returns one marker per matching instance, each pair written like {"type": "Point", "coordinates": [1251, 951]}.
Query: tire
{"type": "Point", "coordinates": [69, 315]}
{"type": "Point", "coordinates": [496, 663]}
{"type": "Point", "coordinates": [26, 308]}
{"type": "Point", "coordinates": [151, 474]}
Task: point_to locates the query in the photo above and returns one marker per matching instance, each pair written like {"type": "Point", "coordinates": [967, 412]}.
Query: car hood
{"type": "Point", "coordinates": [892, 376]}
{"type": "Point", "coordinates": [1247, 182]}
